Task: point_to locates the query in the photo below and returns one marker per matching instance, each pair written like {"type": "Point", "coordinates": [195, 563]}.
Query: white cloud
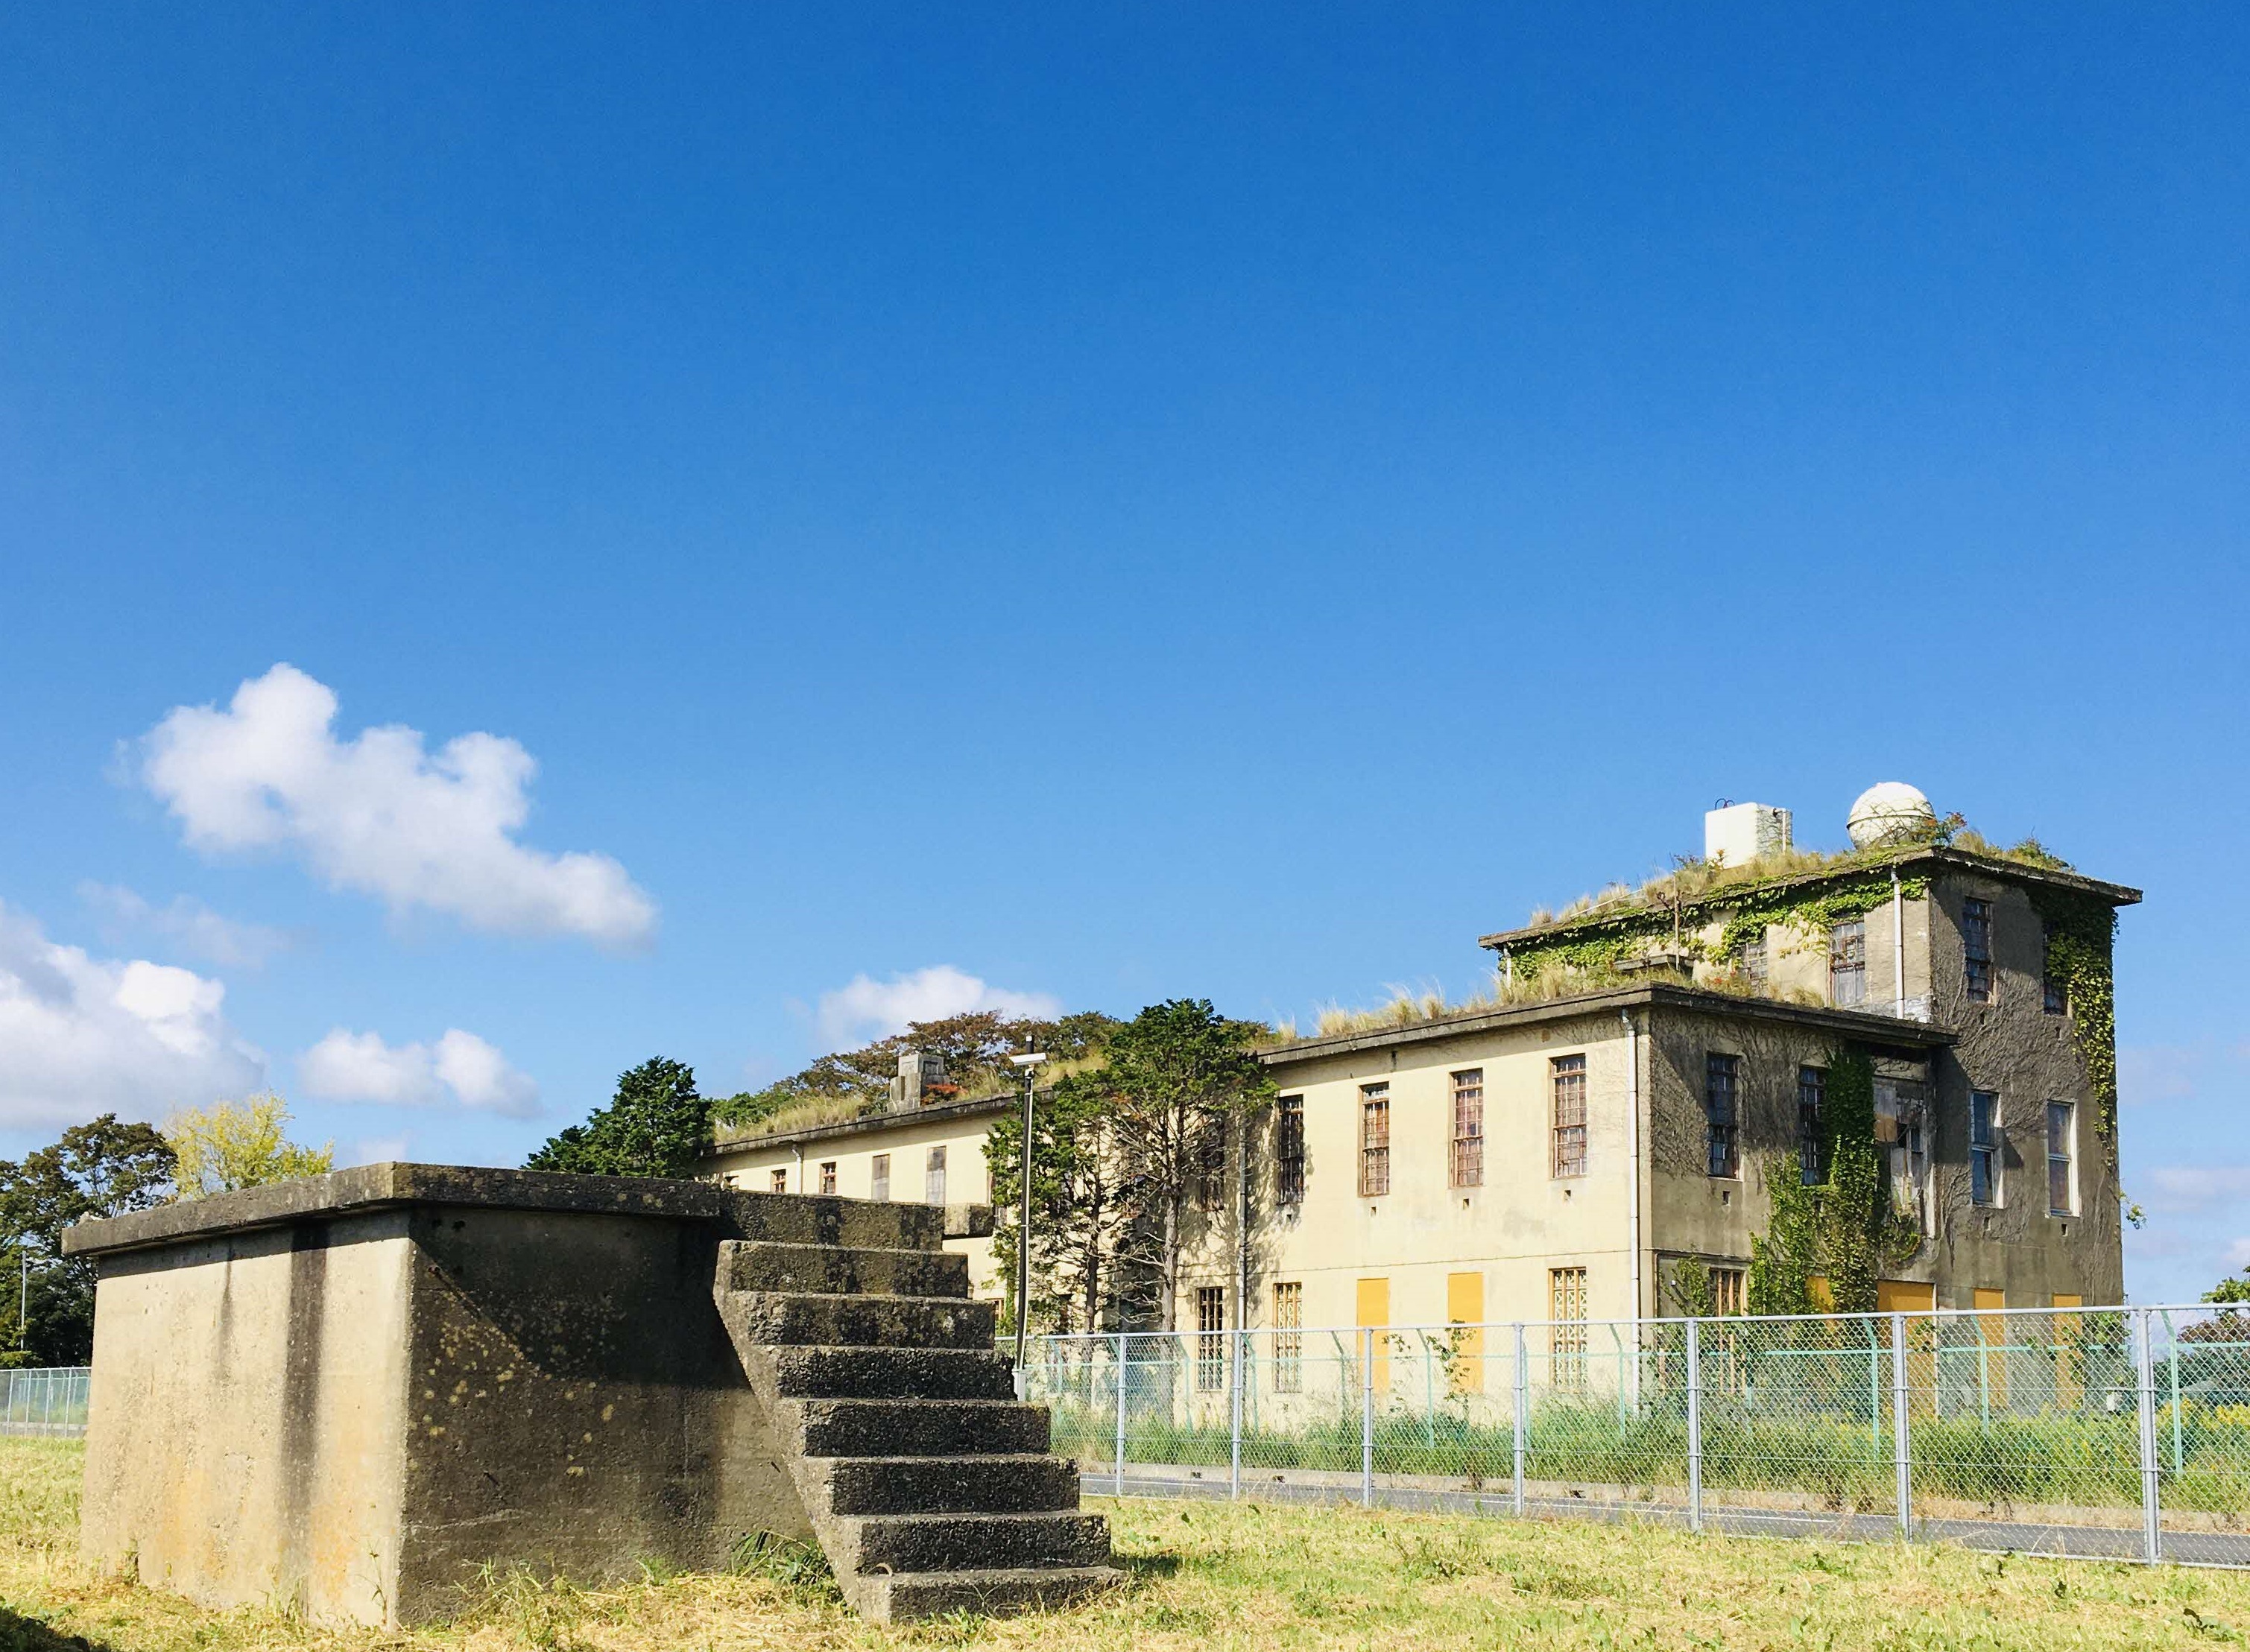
{"type": "Point", "coordinates": [460, 1068]}
{"type": "Point", "coordinates": [207, 934]}
{"type": "Point", "coordinates": [2196, 1187]}
{"type": "Point", "coordinates": [374, 1150]}
{"type": "Point", "coordinates": [81, 1035]}
{"type": "Point", "coordinates": [380, 814]}
{"type": "Point", "coordinates": [867, 1008]}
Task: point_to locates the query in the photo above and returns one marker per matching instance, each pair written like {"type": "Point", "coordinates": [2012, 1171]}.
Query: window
{"type": "Point", "coordinates": [1976, 948]}
{"type": "Point", "coordinates": [933, 1178]}
{"type": "Point", "coordinates": [1847, 963]}
{"type": "Point", "coordinates": [1566, 1308]}
{"type": "Point", "coordinates": [1210, 1337]}
{"type": "Point", "coordinates": [1729, 1286]}
{"type": "Point", "coordinates": [1754, 965]}
{"type": "Point", "coordinates": [2054, 997]}
{"type": "Point", "coordinates": [781, 1181]}
{"type": "Point", "coordinates": [879, 1177]}
{"type": "Point", "coordinates": [1811, 1144]}
{"type": "Point", "coordinates": [1567, 1078]}
{"type": "Point", "coordinates": [2061, 1184]}
{"type": "Point", "coordinates": [1374, 1140]}
{"type": "Point", "coordinates": [1289, 1150]}
{"type": "Point", "coordinates": [828, 1176]}
{"type": "Point", "coordinates": [1722, 1132]}
{"type": "Point", "coordinates": [1468, 1128]}
{"type": "Point", "coordinates": [1984, 1147]}
{"type": "Point", "coordinates": [1289, 1336]}
{"type": "Point", "coordinates": [1211, 1166]}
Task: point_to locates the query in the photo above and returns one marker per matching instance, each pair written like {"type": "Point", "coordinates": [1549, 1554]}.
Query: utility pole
{"type": "Point", "coordinates": [1030, 1063]}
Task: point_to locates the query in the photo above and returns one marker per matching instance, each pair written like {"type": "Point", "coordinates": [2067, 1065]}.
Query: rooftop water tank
{"type": "Point", "coordinates": [1891, 812]}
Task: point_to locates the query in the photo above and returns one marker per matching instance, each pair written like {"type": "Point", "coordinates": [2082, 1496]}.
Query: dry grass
{"type": "Point", "coordinates": [1210, 1575]}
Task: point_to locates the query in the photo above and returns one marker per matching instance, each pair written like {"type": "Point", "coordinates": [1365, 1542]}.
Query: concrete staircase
{"type": "Point", "coordinates": [927, 1483]}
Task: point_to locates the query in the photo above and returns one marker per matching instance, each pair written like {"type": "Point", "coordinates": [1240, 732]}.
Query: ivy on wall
{"type": "Point", "coordinates": [1841, 1228]}
{"type": "Point", "coordinates": [2081, 940]}
{"type": "Point", "coordinates": [1599, 948]}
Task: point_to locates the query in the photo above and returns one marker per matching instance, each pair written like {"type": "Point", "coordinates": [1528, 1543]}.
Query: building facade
{"type": "Point", "coordinates": [1645, 1091]}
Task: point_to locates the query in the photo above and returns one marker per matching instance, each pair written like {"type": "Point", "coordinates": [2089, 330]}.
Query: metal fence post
{"type": "Point", "coordinates": [1120, 1414]}
{"type": "Point", "coordinates": [1523, 1411]}
{"type": "Point", "coordinates": [1901, 1428]}
{"type": "Point", "coordinates": [1234, 1420]}
{"type": "Point", "coordinates": [1367, 1419]}
{"type": "Point", "coordinates": [1694, 1425]}
{"type": "Point", "coordinates": [2152, 1540]}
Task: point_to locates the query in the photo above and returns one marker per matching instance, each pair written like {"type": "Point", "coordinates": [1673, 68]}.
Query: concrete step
{"type": "Point", "coordinates": [982, 1542]}
{"type": "Point", "coordinates": [798, 1318]}
{"type": "Point", "coordinates": [821, 1219]}
{"type": "Point", "coordinates": [898, 1597]}
{"type": "Point", "coordinates": [880, 1373]}
{"type": "Point", "coordinates": [1015, 1482]}
{"type": "Point", "coordinates": [765, 1265]}
{"type": "Point", "coordinates": [922, 1428]}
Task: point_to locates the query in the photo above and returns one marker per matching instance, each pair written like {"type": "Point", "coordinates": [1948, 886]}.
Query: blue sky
{"type": "Point", "coordinates": [1192, 501]}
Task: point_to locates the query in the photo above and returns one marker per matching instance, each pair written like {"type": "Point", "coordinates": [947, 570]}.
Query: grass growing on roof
{"type": "Point", "coordinates": [1208, 1575]}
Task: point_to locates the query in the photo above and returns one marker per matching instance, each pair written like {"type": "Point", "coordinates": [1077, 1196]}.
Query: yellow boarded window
{"type": "Point", "coordinates": [1465, 1308]}
{"type": "Point", "coordinates": [1375, 1312]}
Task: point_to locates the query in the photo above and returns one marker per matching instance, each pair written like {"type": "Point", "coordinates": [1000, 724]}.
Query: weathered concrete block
{"type": "Point", "coordinates": [349, 1393]}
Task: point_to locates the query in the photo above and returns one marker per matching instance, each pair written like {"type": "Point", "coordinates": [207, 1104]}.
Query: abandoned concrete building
{"type": "Point", "coordinates": [1651, 1074]}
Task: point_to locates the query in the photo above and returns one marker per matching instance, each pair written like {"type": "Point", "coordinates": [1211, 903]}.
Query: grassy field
{"type": "Point", "coordinates": [1214, 1575]}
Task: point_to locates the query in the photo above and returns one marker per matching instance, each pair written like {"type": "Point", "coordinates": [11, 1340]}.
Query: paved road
{"type": "Point", "coordinates": [2071, 1542]}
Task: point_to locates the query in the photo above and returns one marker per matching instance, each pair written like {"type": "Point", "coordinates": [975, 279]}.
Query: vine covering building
{"type": "Point", "coordinates": [1770, 1082]}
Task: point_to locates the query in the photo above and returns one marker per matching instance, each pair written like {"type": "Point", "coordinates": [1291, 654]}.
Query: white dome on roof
{"type": "Point", "coordinates": [1888, 813]}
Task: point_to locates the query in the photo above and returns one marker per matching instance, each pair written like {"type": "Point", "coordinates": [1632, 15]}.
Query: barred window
{"type": "Point", "coordinates": [1984, 1147]}
{"type": "Point", "coordinates": [828, 1175]}
{"type": "Point", "coordinates": [933, 1178]}
{"type": "Point", "coordinates": [1722, 1075]}
{"type": "Point", "coordinates": [1289, 1150]}
{"type": "Point", "coordinates": [1728, 1290]}
{"type": "Point", "coordinates": [1567, 1077]}
{"type": "Point", "coordinates": [1468, 1128]}
{"type": "Point", "coordinates": [1812, 1143]}
{"type": "Point", "coordinates": [781, 1181]}
{"type": "Point", "coordinates": [1976, 948]}
{"type": "Point", "coordinates": [1754, 962]}
{"type": "Point", "coordinates": [1847, 963]}
{"type": "Point", "coordinates": [1289, 1336]}
{"type": "Point", "coordinates": [1374, 1139]}
{"type": "Point", "coordinates": [2054, 997]}
{"type": "Point", "coordinates": [879, 1176]}
{"type": "Point", "coordinates": [1211, 1166]}
{"type": "Point", "coordinates": [1210, 1337]}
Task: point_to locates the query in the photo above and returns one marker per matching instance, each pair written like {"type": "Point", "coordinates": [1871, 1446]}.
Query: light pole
{"type": "Point", "coordinates": [1030, 1063]}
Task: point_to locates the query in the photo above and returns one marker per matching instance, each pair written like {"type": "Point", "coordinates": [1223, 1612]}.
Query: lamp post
{"type": "Point", "coordinates": [1030, 1063]}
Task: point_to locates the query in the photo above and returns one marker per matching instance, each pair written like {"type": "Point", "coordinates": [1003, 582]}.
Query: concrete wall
{"type": "Point", "coordinates": [245, 1436]}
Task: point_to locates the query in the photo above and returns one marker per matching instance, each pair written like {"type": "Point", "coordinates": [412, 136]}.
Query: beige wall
{"type": "Point", "coordinates": [908, 1138]}
{"type": "Point", "coordinates": [248, 1418]}
{"type": "Point", "coordinates": [1523, 1221]}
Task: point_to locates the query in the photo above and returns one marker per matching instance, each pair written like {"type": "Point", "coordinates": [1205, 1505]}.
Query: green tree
{"type": "Point", "coordinates": [101, 1169]}
{"type": "Point", "coordinates": [1176, 1071]}
{"type": "Point", "coordinates": [1078, 1205]}
{"type": "Point", "coordinates": [657, 1125]}
{"type": "Point", "coordinates": [230, 1145]}
{"type": "Point", "coordinates": [2231, 1289]}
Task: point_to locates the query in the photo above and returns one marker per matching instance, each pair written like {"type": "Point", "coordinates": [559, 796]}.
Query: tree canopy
{"type": "Point", "coordinates": [228, 1145]}
{"type": "Point", "coordinates": [101, 1169]}
{"type": "Point", "coordinates": [657, 1125]}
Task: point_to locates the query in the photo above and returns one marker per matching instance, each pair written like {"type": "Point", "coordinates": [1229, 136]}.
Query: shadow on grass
{"type": "Point", "coordinates": [1138, 1568]}
{"type": "Point", "coordinates": [20, 1634]}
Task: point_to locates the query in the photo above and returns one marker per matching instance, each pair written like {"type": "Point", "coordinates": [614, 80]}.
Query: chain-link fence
{"type": "Point", "coordinates": [49, 1401]}
{"type": "Point", "coordinates": [2117, 1432]}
